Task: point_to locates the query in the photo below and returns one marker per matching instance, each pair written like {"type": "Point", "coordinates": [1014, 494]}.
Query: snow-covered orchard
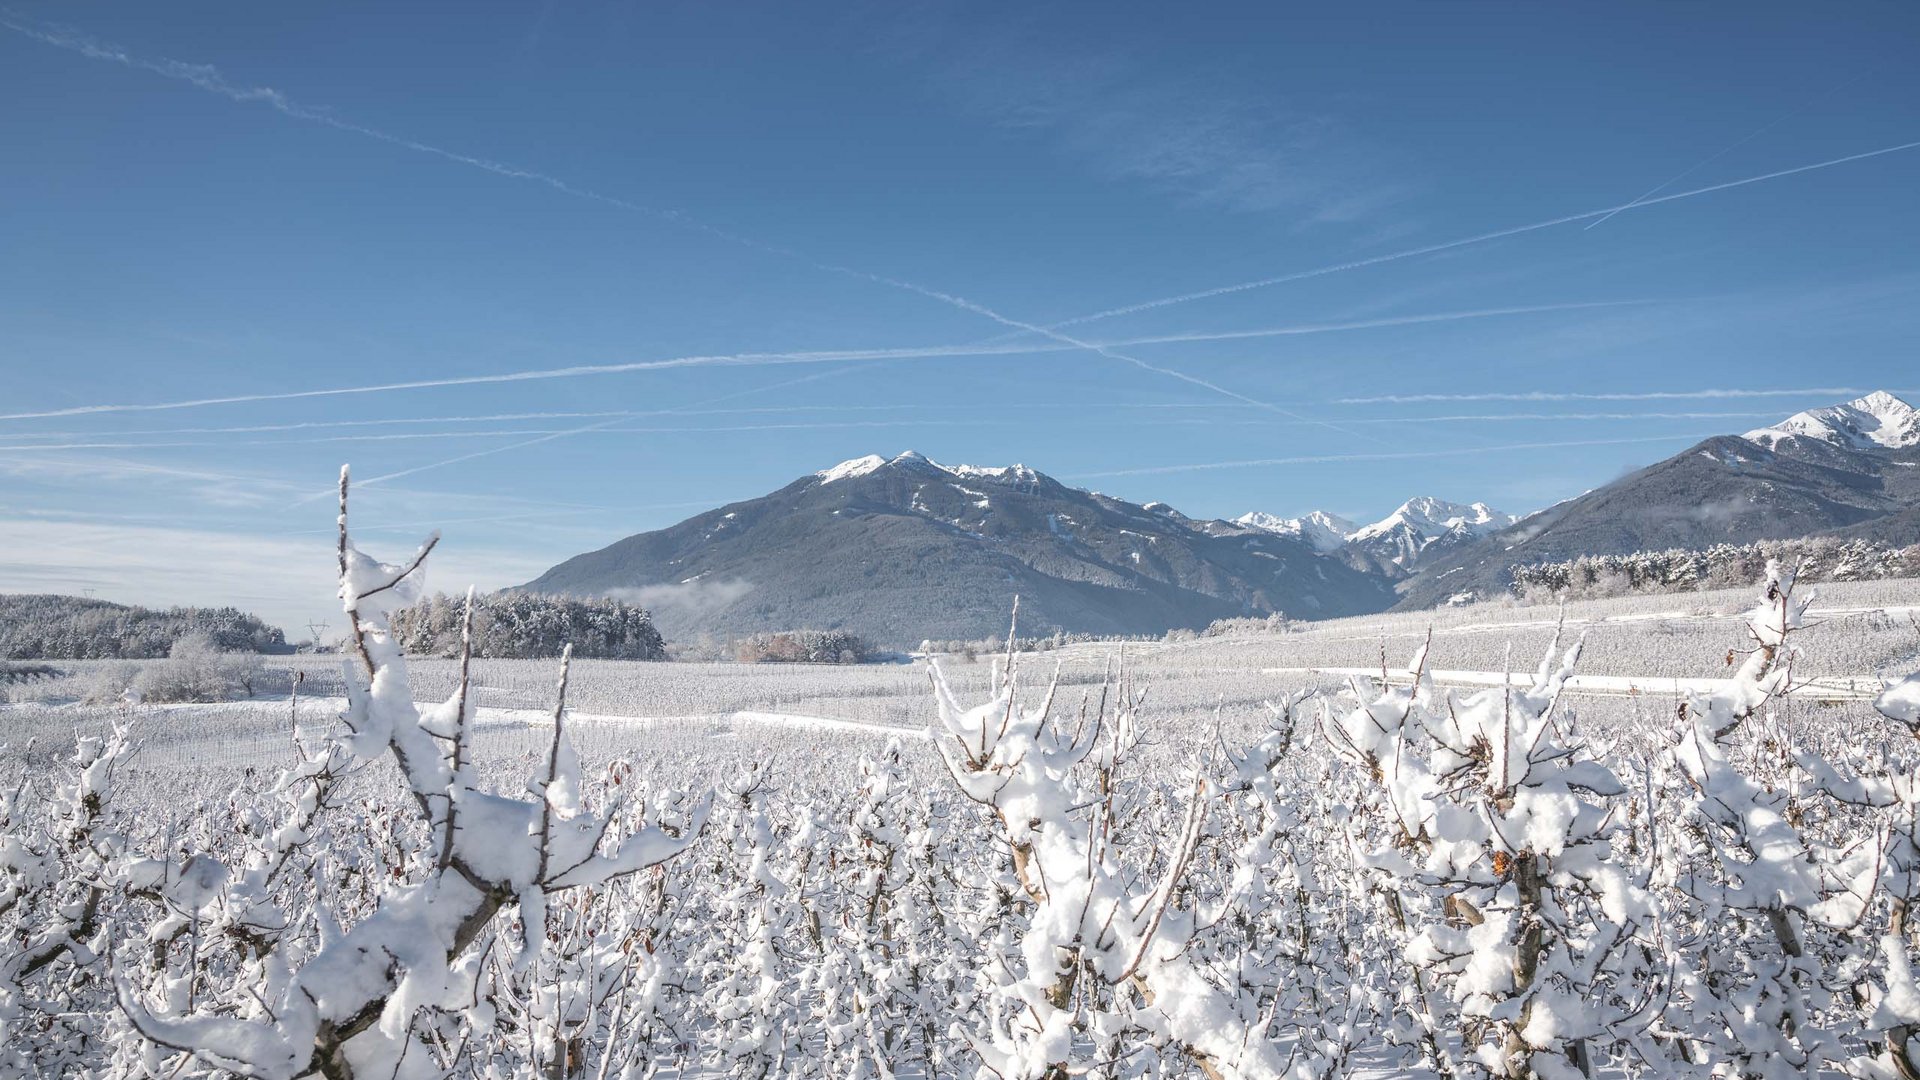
{"type": "Point", "coordinates": [1097, 862]}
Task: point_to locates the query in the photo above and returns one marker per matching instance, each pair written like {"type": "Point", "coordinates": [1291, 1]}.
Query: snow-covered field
{"type": "Point", "coordinates": [1686, 853]}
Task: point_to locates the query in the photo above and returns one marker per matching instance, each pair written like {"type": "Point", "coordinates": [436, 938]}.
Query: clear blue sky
{"type": "Point", "coordinates": [203, 202]}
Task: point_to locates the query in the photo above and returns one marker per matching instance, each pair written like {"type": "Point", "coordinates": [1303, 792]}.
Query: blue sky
{"type": "Point", "coordinates": [804, 233]}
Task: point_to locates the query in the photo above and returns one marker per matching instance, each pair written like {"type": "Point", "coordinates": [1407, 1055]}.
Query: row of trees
{"type": "Point", "coordinates": [803, 647]}
{"type": "Point", "coordinates": [196, 669]}
{"type": "Point", "coordinates": [1722, 566]}
{"type": "Point", "coordinates": [46, 627]}
{"type": "Point", "coordinates": [1238, 626]}
{"type": "Point", "coordinates": [517, 625]}
{"type": "Point", "coordinates": [1390, 878]}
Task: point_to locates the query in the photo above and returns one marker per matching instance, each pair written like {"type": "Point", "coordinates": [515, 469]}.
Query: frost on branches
{"type": "Point", "coordinates": [1393, 880]}
{"type": "Point", "coordinates": [241, 979]}
{"type": "Point", "coordinates": [1486, 823]}
{"type": "Point", "coordinates": [1103, 961]}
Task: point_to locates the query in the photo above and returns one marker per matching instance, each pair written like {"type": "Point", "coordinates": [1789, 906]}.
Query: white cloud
{"type": "Point", "coordinates": [1198, 137]}
{"type": "Point", "coordinates": [286, 581]}
{"type": "Point", "coordinates": [688, 597]}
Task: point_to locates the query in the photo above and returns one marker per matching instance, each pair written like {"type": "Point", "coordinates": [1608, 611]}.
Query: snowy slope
{"type": "Point", "coordinates": [1418, 524]}
{"type": "Point", "coordinates": [904, 548]}
{"type": "Point", "coordinates": [1850, 471]}
{"type": "Point", "coordinates": [1325, 532]}
{"type": "Point", "coordinates": [1878, 420]}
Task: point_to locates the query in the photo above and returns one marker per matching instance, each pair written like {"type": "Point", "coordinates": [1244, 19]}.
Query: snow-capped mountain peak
{"type": "Point", "coordinates": [1877, 421]}
{"type": "Point", "coordinates": [1434, 518]}
{"type": "Point", "coordinates": [913, 459]}
{"type": "Point", "coordinates": [1325, 532]}
{"type": "Point", "coordinates": [1419, 523]}
{"type": "Point", "coordinates": [859, 466]}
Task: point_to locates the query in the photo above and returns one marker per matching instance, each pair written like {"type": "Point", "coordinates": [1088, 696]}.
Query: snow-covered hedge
{"type": "Point", "coordinates": [1717, 567]}
{"type": "Point", "coordinates": [803, 647]}
{"type": "Point", "coordinates": [516, 625]}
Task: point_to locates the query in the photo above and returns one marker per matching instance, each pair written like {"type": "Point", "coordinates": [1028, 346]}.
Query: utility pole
{"type": "Point", "coordinates": [316, 629]}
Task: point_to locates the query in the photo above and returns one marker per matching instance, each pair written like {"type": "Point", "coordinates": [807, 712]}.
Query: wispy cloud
{"type": "Point", "coordinates": [1199, 137]}
{"type": "Point", "coordinates": [688, 597]}
{"type": "Point", "coordinates": [285, 580]}
{"type": "Point", "coordinates": [207, 486]}
{"type": "Point", "coordinates": [208, 78]}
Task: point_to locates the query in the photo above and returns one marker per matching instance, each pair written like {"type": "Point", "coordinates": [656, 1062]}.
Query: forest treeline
{"type": "Point", "coordinates": [51, 627]}
{"type": "Point", "coordinates": [1722, 566]}
{"type": "Point", "coordinates": [529, 626]}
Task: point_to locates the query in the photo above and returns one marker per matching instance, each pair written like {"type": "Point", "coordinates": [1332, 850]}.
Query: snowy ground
{"type": "Point", "coordinates": [790, 750]}
{"type": "Point", "coordinates": [1641, 650]}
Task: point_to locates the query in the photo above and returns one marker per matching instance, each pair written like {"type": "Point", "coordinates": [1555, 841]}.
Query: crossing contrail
{"type": "Point", "coordinates": [1109, 352]}
{"type": "Point", "coordinates": [209, 79]}
{"type": "Point", "coordinates": [1061, 344]}
{"type": "Point", "coordinates": [1089, 414]}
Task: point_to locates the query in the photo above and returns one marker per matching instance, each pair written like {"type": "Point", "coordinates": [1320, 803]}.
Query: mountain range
{"type": "Point", "coordinates": [905, 548]}
{"type": "Point", "coordinates": [1850, 470]}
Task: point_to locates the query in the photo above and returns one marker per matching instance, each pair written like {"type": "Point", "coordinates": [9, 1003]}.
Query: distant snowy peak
{"type": "Point", "coordinates": [872, 463]}
{"type": "Point", "coordinates": [1398, 538]}
{"type": "Point", "coordinates": [1877, 421]}
{"type": "Point", "coordinates": [1323, 531]}
{"type": "Point", "coordinates": [859, 466]}
{"type": "Point", "coordinates": [1434, 518]}
{"type": "Point", "coordinates": [1404, 535]}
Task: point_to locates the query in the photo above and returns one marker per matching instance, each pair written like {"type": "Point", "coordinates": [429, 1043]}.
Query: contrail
{"type": "Point", "coordinates": [728, 360]}
{"type": "Point", "coordinates": [1650, 395]}
{"type": "Point", "coordinates": [207, 78]}
{"type": "Point", "coordinates": [832, 425]}
{"type": "Point", "coordinates": [1430, 249]}
{"type": "Point", "coordinates": [1086, 415]}
{"type": "Point", "coordinates": [532, 515]}
{"type": "Point", "coordinates": [1501, 417]}
{"type": "Point", "coordinates": [1375, 324]}
{"type": "Point", "coordinates": [575, 431]}
{"type": "Point", "coordinates": [249, 429]}
{"type": "Point", "coordinates": [1107, 351]}
{"type": "Point", "coordinates": [313, 424]}
{"type": "Point", "coordinates": [1397, 456]}
{"type": "Point", "coordinates": [469, 457]}
{"type": "Point", "coordinates": [1060, 343]}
